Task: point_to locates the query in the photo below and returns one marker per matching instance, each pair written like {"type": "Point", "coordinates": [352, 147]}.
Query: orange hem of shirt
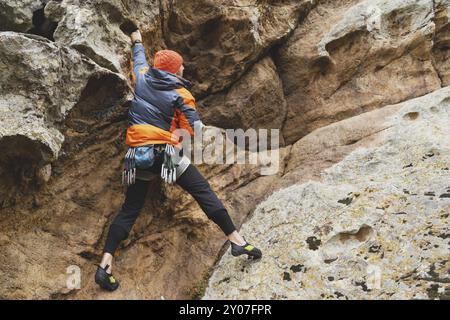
{"type": "Point", "coordinates": [143, 134]}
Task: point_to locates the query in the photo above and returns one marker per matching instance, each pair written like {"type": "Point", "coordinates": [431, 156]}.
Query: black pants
{"type": "Point", "coordinates": [191, 181]}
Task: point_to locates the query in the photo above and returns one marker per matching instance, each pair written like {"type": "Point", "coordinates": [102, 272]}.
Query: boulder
{"type": "Point", "coordinates": [222, 39]}
{"type": "Point", "coordinates": [41, 83]}
{"type": "Point", "coordinates": [100, 29]}
{"type": "Point", "coordinates": [323, 76]}
{"type": "Point", "coordinates": [17, 15]}
{"type": "Point", "coordinates": [351, 57]}
{"type": "Point", "coordinates": [374, 227]}
{"type": "Point", "coordinates": [442, 40]}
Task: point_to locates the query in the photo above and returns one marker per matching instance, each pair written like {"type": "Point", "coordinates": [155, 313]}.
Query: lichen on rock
{"type": "Point", "coordinates": [378, 233]}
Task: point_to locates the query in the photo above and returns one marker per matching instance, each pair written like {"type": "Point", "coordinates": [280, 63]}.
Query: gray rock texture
{"type": "Point", "coordinates": [375, 227]}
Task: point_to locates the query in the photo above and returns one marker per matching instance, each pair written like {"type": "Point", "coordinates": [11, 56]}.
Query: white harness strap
{"type": "Point", "coordinates": [174, 165]}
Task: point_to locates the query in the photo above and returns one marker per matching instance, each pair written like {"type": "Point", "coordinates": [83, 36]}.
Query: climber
{"type": "Point", "coordinates": [162, 103]}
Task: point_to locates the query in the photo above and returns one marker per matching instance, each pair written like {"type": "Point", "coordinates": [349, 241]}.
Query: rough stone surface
{"type": "Point", "coordinates": [376, 226]}
{"type": "Point", "coordinates": [100, 29]}
{"type": "Point", "coordinates": [40, 84]}
{"type": "Point", "coordinates": [221, 39]}
{"type": "Point", "coordinates": [255, 101]}
{"type": "Point", "coordinates": [323, 147]}
{"type": "Point", "coordinates": [442, 40]}
{"type": "Point", "coordinates": [357, 56]}
{"type": "Point", "coordinates": [17, 15]}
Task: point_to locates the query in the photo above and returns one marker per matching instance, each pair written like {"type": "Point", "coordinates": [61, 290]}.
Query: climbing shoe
{"type": "Point", "coordinates": [105, 280]}
{"type": "Point", "coordinates": [247, 248]}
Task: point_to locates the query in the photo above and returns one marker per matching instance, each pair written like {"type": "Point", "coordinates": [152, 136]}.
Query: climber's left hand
{"type": "Point", "coordinates": [136, 36]}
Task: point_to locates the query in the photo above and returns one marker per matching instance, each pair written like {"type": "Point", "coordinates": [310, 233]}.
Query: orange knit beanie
{"type": "Point", "coordinates": [168, 60]}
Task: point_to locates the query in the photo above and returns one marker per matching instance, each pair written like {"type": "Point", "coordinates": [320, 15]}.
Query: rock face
{"type": "Point", "coordinates": [328, 74]}
{"type": "Point", "coordinates": [312, 154]}
{"type": "Point", "coordinates": [357, 56]}
{"type": "Point", "coordinates": [41, 83]}
{"type": "Point", "coordinates": [255, 101]}
{"type": "Point", "coordinates": [441, 40]}
{"type": "Point", "coordinates": [18, 15]}
{"type": "Point", "coordinates": [100, 29]}
{"type": "Point", "coordinates": [376, 226]}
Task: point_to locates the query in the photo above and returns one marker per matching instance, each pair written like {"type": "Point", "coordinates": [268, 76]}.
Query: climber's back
{"type": "Point", "coordinates": [162, 100]}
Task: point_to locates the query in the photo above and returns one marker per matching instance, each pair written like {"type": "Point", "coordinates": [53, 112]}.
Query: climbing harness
{"type": "Point", "coordinates": [168, 168]}
{"type": "Point", "coordinates": [138, 161]}
{"type": "Point", "coordinates": [129, 171]}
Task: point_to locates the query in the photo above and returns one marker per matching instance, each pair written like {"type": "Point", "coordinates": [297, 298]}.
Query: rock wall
{"type": "Point", "coordinates": [375, 226]}
{"type": "Point", "coordinates": [356, 56]}
{"type": "Point", "coordinates": [326, 73]}
{"type": "Point", "coordinates": [42, 84]}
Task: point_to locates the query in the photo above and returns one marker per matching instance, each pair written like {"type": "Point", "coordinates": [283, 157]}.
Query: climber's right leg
{"type": "Point", "coordinates": [119, 230]}
{"type": "Point", "coordinates": [194, 183]}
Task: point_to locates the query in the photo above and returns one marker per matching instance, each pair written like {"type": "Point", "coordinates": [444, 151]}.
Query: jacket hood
{"type": "Point", "coordinates": [163, 80]}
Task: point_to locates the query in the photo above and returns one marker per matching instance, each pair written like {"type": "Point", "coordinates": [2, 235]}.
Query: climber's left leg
{"type": "Point", "coordinates": [125, 219]}
{"type": "Point", "coordinates": [119, 230]}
